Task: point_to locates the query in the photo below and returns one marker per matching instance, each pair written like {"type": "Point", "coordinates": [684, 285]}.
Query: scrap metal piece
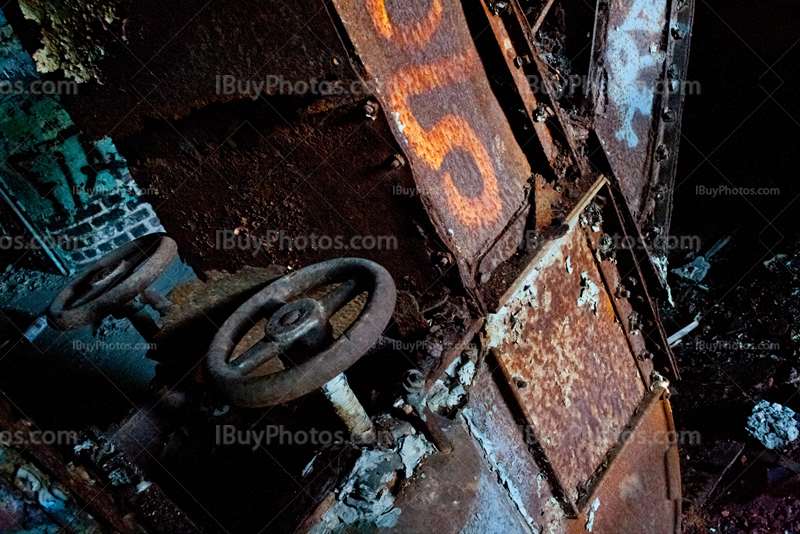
{"type": "Point", "coordinates": [431, 83]}
{"type": "Point", "coordinates": [584, 383]}
{"type": "Point", "coordinates": [634, 58]}
{"type": "Point", "coordinates": [638, 88]}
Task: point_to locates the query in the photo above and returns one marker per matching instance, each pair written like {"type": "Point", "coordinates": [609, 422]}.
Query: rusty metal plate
{"type": "Point", "coordinates": [567, 358]}
{"type": "Point", "coordinates": [633, 62]}
{"type": "Point", "coordinates": [512, 86]}
{"type": "Point", "coordinates": [430, 81]}
{"type": "Point", "coordinates": [441, 497]}
{"type": "Point", "coordinates": [492, 422]}
{"type": "Point", "coordinates": [641, 489]}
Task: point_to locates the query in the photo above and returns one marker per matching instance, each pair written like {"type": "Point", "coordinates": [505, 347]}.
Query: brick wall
{"type": "Point", "coordinates": [71, 190]}
{"type": "Point", "coordinates": [108, 222]}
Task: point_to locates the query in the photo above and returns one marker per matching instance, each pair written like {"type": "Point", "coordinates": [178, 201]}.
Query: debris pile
{"type": "Point", "coordinates": [366, 496]}
{"type": "Point", "coordinates": [737, 345]}
{"type": "Point", "coordinates": [449, 392]}
{"type": "Point", "coordinates": [772, 424]}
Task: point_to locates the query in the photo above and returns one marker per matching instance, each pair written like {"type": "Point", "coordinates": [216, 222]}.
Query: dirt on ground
{"type": "Point", "coordinates": [744, 350]}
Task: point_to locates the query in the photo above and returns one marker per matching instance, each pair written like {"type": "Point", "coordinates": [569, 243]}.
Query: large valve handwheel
{"type": "Point", "coordinates": [112, 281]}
{"type": "Point", "coordinates": [298, 332]}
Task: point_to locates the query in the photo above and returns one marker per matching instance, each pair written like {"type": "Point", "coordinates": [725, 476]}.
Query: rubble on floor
{"type": "Point", "coordinates": [739, 388]}
{"type": "Point", "coordinates": [365, 497]}
{"type": "Point", "coordinates": [772, 424]}
{"type": "Point", "coordinates": [450, 391]}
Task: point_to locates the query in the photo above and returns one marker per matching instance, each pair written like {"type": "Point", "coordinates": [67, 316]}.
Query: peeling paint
{"type": "Point", "coordinates": [626, 61]}
{"type": "Point", "coordinates": [590, 293]}
{"type": "Point", "coordinates": [449, 393]}
{"type": "Point", "coordinates": [366, 496]}
{"type": "Point", "coordinates": [592, 510]}
{"type": "Point", "coordinates": [74, 35]}
{"type": "Point", "coordinates": [499, 468]}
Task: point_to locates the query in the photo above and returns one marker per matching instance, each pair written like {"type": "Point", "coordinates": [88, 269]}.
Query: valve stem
{"type": "Point", "coordinates": [350, 410]}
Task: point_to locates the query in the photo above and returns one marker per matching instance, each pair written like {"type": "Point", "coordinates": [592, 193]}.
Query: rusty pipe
{"type": "Point", "coordinates": [346, 404]}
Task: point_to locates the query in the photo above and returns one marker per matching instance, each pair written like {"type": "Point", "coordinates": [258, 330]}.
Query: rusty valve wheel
{"type": "Point", "coordinates": [111, 282]}
{"type": "Point", "coordinates": [298, 332]}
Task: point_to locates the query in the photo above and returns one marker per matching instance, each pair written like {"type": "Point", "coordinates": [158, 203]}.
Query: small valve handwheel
{"type": "Point", "coordinates": [112, 281]}
{"type": "Point", "coordinates": [298, 332]}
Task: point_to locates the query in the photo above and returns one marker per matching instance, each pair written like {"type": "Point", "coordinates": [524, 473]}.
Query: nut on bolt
{"type": "Point", "coordinates": [497, 7]}
{"type": "Point", "coordinates": [521, 61]}
{"type": "Point", "coordinates": [371, 110]}
{"type": "Point", "coordinates": [397, 161]}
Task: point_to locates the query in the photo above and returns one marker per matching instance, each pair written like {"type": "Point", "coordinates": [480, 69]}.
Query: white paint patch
{"type": "Point", "coordinates": [590, 522]}
{"type": "Point", "coordinates": [590, 293]}
{"type": "Point", "coordinates": [495, 328]}
{"type": "Point", "coordinates": [400, 125]}
{"type": "Point", "coordinates": [412, 450]}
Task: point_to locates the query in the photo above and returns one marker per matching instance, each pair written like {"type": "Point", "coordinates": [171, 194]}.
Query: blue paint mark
{"type": "Point", "coordinates": [626, 62]}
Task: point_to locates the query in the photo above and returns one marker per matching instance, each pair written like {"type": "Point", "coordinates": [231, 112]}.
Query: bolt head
{"type": "Point", "coordinates": [291, 317]}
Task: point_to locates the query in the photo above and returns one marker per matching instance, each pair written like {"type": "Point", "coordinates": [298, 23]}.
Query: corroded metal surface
{"type": "Point", "coordinates": [633, 61]}
{"type": "Point", "coordinates": [638, 82]}
{"type": "Point", "coordinates": [431, 83]}
{"type": "Point", "coordinates": [504, 443]}
{"type": "Point", "coordinates": [441, 497]}
{"type": "Point", "coordinates": [632, 321]}
{"type": "Point", "coordinates": [641, 489]}
{"type": "Point", "coordinates": [676, 87]}
{"type": "Point", "coordinates": [499, 51]}
{"type": "Point", "coordinates": [642, 281]}
{"type": "Point", "coordinates": [562, 349]}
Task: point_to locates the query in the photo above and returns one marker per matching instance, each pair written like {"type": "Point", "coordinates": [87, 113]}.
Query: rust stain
{"type": "Point", "coordinates": [545, 197]}
{"type": "Point", "coordinates": [415, 36]}
{"type": "Point", "coordinates": [636, 493]}
{"type": "Point", "coordinates": [470, 172]}
{"type": "Point", "coordinates": [568, 361]}
{"type": "Point", "coordinates": [450, 133]}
